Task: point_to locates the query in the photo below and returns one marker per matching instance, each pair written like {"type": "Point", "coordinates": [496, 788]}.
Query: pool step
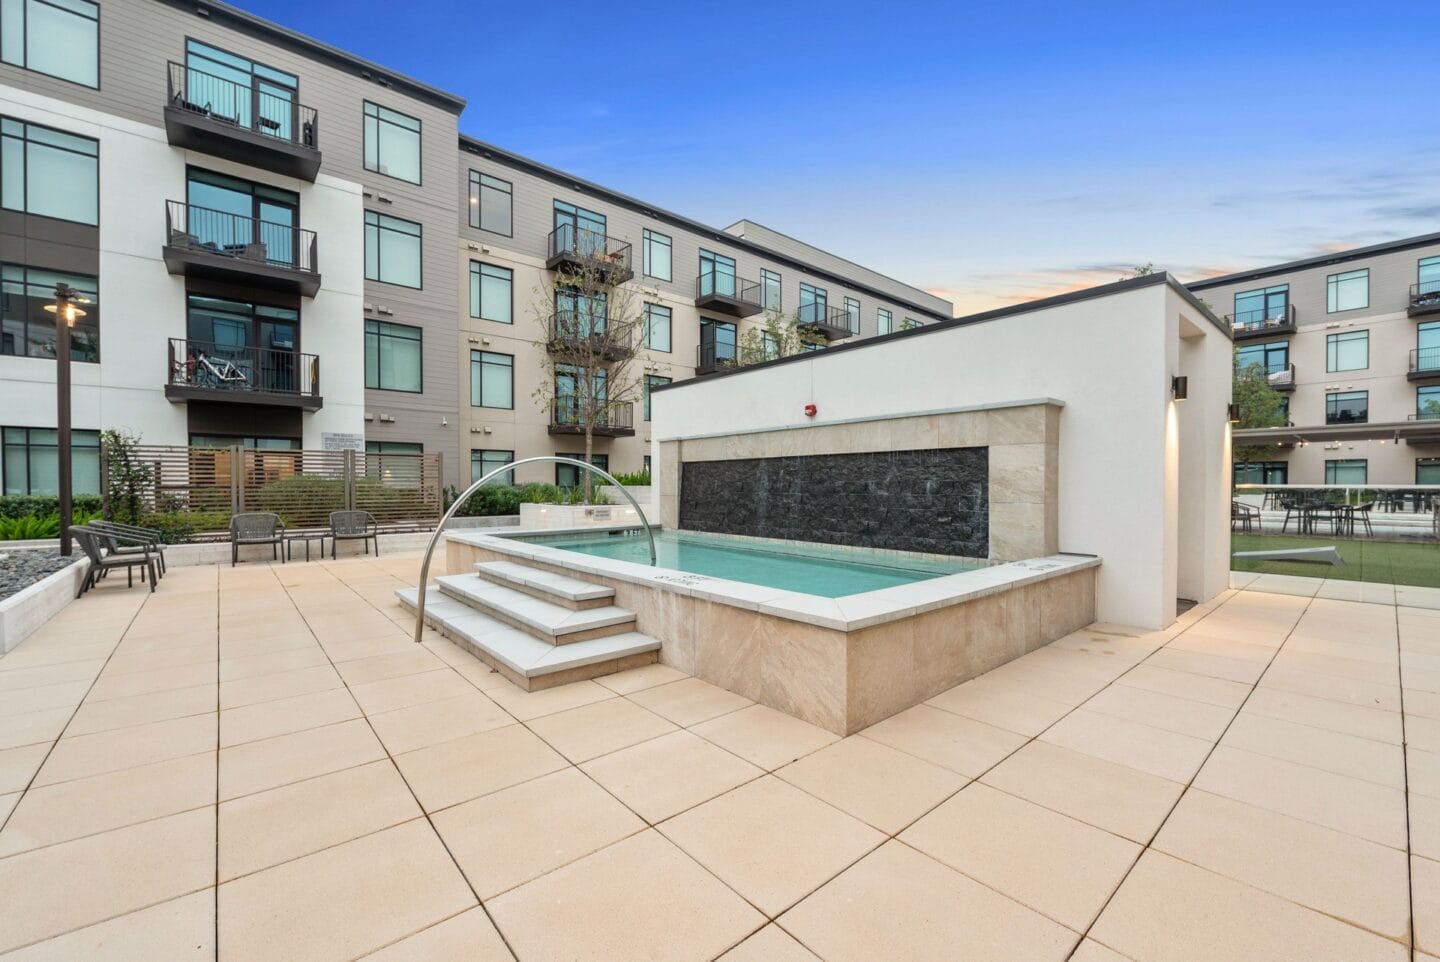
{"type": "Point", "coordinates": [549, 622]}
{"type": "Point", "coordinates": [548, 586]}
{"type": "Point", "coordinates": [526, 660]}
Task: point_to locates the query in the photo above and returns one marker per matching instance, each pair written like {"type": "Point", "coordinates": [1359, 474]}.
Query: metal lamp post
{"type": "Point", "coordinates": [67, 312]}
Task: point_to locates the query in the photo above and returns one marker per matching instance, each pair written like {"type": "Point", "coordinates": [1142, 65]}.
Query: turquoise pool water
{"type": "Point", "coordinates": [814, 569]}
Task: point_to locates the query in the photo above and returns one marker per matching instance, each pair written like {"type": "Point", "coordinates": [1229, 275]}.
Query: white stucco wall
{"type": "Point", "coordinates": [1108, 358]}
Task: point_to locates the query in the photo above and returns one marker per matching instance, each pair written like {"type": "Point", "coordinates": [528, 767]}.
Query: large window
{"type": "Point", "coordinates": [1347, 407]}
{"type": "Point", "coordinates": [1348, 291]}
{"type": "Point", "coordinates": [884, 321]}
{"type": "Point", "coordinates": [1427, 470]}
{"type": "Point", "coordinates": [717, 342]}
{"type": "Point", "coordinates": [1347, 352]}
{"type": "Point", "coordinates": [852, 314]}
{"type": "Point", "coordinates": [1428, 270]}
{"type": "Point", "coordinates": [492, 292]}
{"type": "Point", "coordinates": [568, 476]}
{"type": "Point", "coordinates": [49, 173]}
{"type": "Point", "coordinates": [59, 38]}
{"type": "Point", "coordinates": [769, 290]}
{"type": "Point", "coordinates": [251, 443]}
{"type": "Point", "coordinates": [579, 231]}
{"type": "Point", "coordinates": [1272, 358]}
{"type": "Point", "coordinates": [1427, 403]}
{"type": "Point", "coordinates": [394, 447]}
{"type": "Point", "coordinates": [27, 330]}
{"type": "Point", "coordinates": [392, 357]}
{"type": "Point", "coordinates": [1262, 472]}
{"type": "Point", "coordinates": [491, 203]}
{"type": "Point", "coordinates": [717, 274]}
{"type": "Point", "coordinates": [1427, 347]}
{"type": "Point", "coordinates": [652, 380]}
{"type": "Point", "coordinates": [248, 94]}
{"type": "Point", "coordinates": [657, 250]}
{"type": "Point", "coordinates": [492, 380]}
{"type": "Point", "coordinates": [236, 215]}
{"type": "Point", "coordinates": [483, 462]}
{"type": "Point", "coordinates": [392, 143]}
{"type": "Point", "coordinates": [258, 339]}
{"type": "Point", "coordinates": [31, 461]}
{"type": "Point", "coordinates": [392, 250]}
{"type": "Point", "coordinates": [1254, 308]}
{"type": "Point", "coordinates": [1347, 471]}
{"type": "Point", "coordinates": [812, 304]}
{"type": "Point", "coordinates": [657, 327]}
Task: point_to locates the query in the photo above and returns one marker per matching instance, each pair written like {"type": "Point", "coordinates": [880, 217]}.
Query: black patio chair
{"type": "Point", "coordinates": [128, 539]}
{"type": "Point", "coordinates": [1243, 517]}
{"type": "Point", "coordinates": [353, 526]}
{"type": "Point", "coordinates": [256, 527]}
{"type": "Point", "coordinates": [1361, 515]}
{"type": "Point", "coordinates": [101, 563]}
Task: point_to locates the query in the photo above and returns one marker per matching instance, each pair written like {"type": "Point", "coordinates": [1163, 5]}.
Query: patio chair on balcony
{"type": "Point", "coordinates": [353, 526]}
{"type": "Point", "coordinates": [256, 527]}
{"type": "Point", "coordinates": [101, 563]}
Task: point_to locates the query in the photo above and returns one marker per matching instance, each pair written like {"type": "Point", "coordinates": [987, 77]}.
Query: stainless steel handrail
{"type": "Point", "coordinates": [465, 496]}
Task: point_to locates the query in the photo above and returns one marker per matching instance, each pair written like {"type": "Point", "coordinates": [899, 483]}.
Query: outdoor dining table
{"type": "Point", "coordinates": [1340, 517]}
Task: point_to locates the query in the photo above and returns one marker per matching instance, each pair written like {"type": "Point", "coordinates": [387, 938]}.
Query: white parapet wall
{"type": "Point", "coordinates": [22, 614]}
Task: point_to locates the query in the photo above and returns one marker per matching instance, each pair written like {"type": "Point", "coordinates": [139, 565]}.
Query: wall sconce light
{"type": "Point", "coordinates": [1232, 413]}
{"type": "Point", "coordinates": [1180, 387]}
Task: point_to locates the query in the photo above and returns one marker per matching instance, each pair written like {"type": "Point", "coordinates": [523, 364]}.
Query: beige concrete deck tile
{"type": "Point", "coordinates": [1422, 733]}
{"type": "Point", "coordinates": [406, 691]}
{"type": "Point", "coordinates": [1377, 648]}
{"type": "Point", "coordinates": [597, 729]}
{"type": "Point", "coordinates": [1167, 909]}
{"type": "Point", "coordinates": [1197, 641]}
{"type": "Point", "coordinates": [111, 751]}
{"type": "Point", "coordinates": [286, 715]}
{"type": "Point", "coordinates": [1349, 691]}
{"type": "Point", "coordinates": [1423, 704]}
{"type": "Point", "coordinates": [1310, 794]}
{"type": "Point", "coordinates": [1158, 710]}
{"type": "Point", "coordinates": [1211, 666]}
{"type": "Point", "coordinates": [1002, 705]}
{"type": "Point", "coordinates": [529, 705]}
{"type": "Point", "coordinates": [1341, 875]}
{"type": "Point", "coordinates": [1047, 680]}
{"type": "Point", "coordinates": [46, 676]}
{"type": "Point", "coordinates": [899, 904]}
{"type": "Point", "coordinates": [180, 929]}
{"type": "Point", "coordinates": [88, 806]}
{"type": "Point", "coordinates": [1184, 684]}
{"type": "Point", "coordinates": [125, 661]}
{"type": "Point", "coordinates": [770, 944]}
{"type": "Point", "coordinates": [883, 787]}
{"type": "Point", "coordinates": [239, 643]}
{"type": "Point", "coordinates": [1326, 713]}
{"type": "Point", "coordinates": [1061, 868]}
{"type": "Point", "coordinates": [1425, 826]}
{"type": "Point", "coordinates": [1092, 951]}
{"type": "Point", "coordinates": [412, 661]}
{"type": "Point", "coordinates": [636, 679]}
{"type": "Point", "coordinates": [465, 768]}
{"type": "Point", "coordinates": [483, 677]}
{"type": "Point", "coordinates": [1341, 667]}
{"type": "Point", "coordinates": [39, 652]}
{"type": "Point", "coordinates": [764, 736]}
{"type": "Point", "coordinates": [522, 832]}
{"type": "Point", "coordinates": [1424, 772]}
{"type": "Point", "coordinates": [101, 716]}
{"type": "Point", "coordinates": [1153, 750]}
{"type": "Point", "coordinates": [666, 775]}
{"type": "Point", "coordinates": [7, 805]}
{"type": "Point", "coordinates": [285, 684]}
{"type": "Point", "coordinates": [267, 828]}
{"type": "Point", "coordinates": [638, 899]}
{"type": "Point", "coordinates": [689, 701]}
{"type": "Point", "coordinates": [771, 842]}
{"type": "Point", "coordinates": [240, 667]}
{"type": "Point", "coordinates": [1117, 798]}
{"type": "Point", "coordinates": [272, 762]}
{"type": "Point", "coordinates": [1425, 889]}
{"type": "Point", "coordinates": [33, 727]}
{"type": "Point", "coordinates": [469, 935]}
{"type": "Point", "coordinates": [344, 901]}
{"type": "Point", "coordinates": [122, 871]}
{"type": "Point", "coordinates": [26, 700]}
{"type": "Point", "coordinates": [419, 726]}
{"type": "Point", "coordinates": [951, 741]}
{"type": "Point", "coordinates": [1329, 750]}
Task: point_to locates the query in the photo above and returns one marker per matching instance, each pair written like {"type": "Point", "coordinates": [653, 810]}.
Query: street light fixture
{"type": "Point", "coordinates": [67, 311]}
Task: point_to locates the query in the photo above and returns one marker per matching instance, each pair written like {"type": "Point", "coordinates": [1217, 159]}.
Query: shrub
{"type": "Point", "coordinates": [178, 526]}
{"type": "Point", "coordinates": [491, 500]}
{"type": "Point", "coordinates": [22, 505]}
{"type": "Point", "coordinates": [128, 479]}
{"type": "Point", "coordinates": [635, 479]}
{"type": "Point", "coordinates": [33, 527]}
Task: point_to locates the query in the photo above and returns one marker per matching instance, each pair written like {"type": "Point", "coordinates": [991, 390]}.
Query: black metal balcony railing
{"type": "Point", "coordinates": [1425, 361]}
{"type": "Point", "coordinates": [207, 366]}
{"type": "Point", "coordinates": [1261, 320]}
{"type": "Point", "coordinates": [719, 284]}
{"type": "Point", "coordinates": [1425, 415]}
{"type": "Point", "coordinates": [1425, 297]}
{"type": "Point", "coordinates": [567, 416]}
{"type": "Point", "coordinates": [834, 322]}
{"type": "Point", "coordinates": [591, 248]}
{"type": "Point", "coordinates": [711, 357]}
{"type": "Point", "coordinates": [1283, 378]}
{"type": "Point", "coordinates": [202, 230]}
{"type": "Point", "coordinates": [242, 105]}
{"type": "Point", "coordinates": [580, 331]}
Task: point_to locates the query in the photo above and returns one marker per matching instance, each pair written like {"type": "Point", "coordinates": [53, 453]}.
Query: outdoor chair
{"type": "Point", "coordinates": [1361, 515]}
{"type": "Point", "coordinates": [256, 527]}
{"type": "Point", "coordinates": [135, 540]}
{"type": "Point", "coordinates": [353, 526]}
{"type": "Point", "coordinates": [101, 563]}
{"type": "Point", "coordinates": [1243, 517]}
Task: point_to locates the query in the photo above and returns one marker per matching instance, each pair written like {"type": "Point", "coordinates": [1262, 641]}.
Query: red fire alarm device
{"type": "Point", "coordinates": [810, 410]}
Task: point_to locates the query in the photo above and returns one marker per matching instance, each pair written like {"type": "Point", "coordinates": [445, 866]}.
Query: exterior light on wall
{"type": "Point", "coordinates": [1180, 387]}
{"type": "Point", "coordinates": [1232, 413]}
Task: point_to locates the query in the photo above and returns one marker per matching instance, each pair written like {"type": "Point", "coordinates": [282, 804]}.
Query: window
{"type": "Point", "coordinates": [392, 250]}
{"type": "Point", "coordinates": [769, 345]}
{"type": "Point", "coordinates": [492, 292]}
{"type": "Point", "coordinates": [392, 357]}
{"type": "Point", "coordinates": [1254, 308]}
{"type": "Point", "coordinates": [1427, 403]}
{"type": "Point", "coordinates": [656, 255]}
{"type": "Point", "coordinates": [492, 380]}
{"type": "Point", "coordinates": [233, 214]}
{"type": "Point", "coordinates": [392, 143]}
{"type": "Point", "coordinates": [1427, 470]}
{"type": "Point", "coordinates": [1347, 471]}
{"type": "Point", "coordinates": [1429, 276]}
{"type": "Point", "coordinates": [884, 321]}
{"type": "Point", "coordinates": [657, 327]}
{"type": "Point", "coordinates": [717, 274]}
{"type": "Point", "coordinates": [233, 330]}
{"type": "Point", "coordinates": [578, 231]}
{"type": "Point", "coordinates": [1347, 407]}
{"type": "Point", "coordinates": [59, 38]}
{"type": "Point", "coordinates": [653, 380]}
{"type": "Point", "coordinates": [1347, 352]}
{"type": "Point", "coordinates": [49, 173]}
{"type": "Point", "coordinates": [250, 443]}
{"type": "Point", "coordinates": [852, 314]}
{"type": "Point", "coordinates": [31, 463]}
{"type": "Point", "coordinates": [1347, 292]}
{"type": "Point", "coordinates": [404, 467]}
{"type": "Point", "coordinates": [645, 462]}
{"type": "Point", "coordinates": [909, 324]}
{"type": "Point", "coordinates": [27, 330]}
{"type": "Point", "coordinates": [568, 476]}
{"type": "Point", "coordinates": [491, 203]}
{"type": "Point", "coordinates": [483, 462]}
{"type": "Point", "coordinates": [717, 342]}
{"type": "Point", "coordinates": [237, 89]}
{"type": "Point", "coordinates": [1427, 347]}
{"type": "Point", "coordinates": [578, 315]}
{"type": "Point", "coordinates": [1262, 472]}
{"type": "Point", "coordinates": [394, 447]}
{"type": "Point", "coordinates": [1272, 358]}
{"type": "Point", "coordinates": [769, 290]}
{"type": "Point", "coordinates": [812, 304]}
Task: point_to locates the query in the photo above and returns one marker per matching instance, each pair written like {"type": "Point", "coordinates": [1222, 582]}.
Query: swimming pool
{"type": "Point", "coordinates": [813, 569]}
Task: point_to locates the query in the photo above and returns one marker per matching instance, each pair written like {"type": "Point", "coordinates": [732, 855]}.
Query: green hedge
{"type": "Point", "coordinates": [178, 526]}
{"type": "Point", "coordinates": [23, 505]}
{"type": "Point", "coordinates": [504, 499]}
{"type": "Point", "coordinates": [33, 527]}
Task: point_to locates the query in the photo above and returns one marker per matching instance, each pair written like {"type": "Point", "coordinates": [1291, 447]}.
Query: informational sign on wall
{"type": "Point", "coordinates": [340, 441]}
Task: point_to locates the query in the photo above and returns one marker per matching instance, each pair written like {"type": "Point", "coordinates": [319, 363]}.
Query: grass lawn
{"type": "Point", "coordinates": [1383, 562]}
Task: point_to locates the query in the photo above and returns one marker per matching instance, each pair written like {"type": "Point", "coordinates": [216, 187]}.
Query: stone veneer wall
{"type": "Point", "coordinates": [933, 501]}
{"type": "Point", "coordinates": [1023, 442]}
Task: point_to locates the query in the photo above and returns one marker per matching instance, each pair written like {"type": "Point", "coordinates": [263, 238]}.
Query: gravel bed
{"type": "Point", "coordinates": [21, 569]}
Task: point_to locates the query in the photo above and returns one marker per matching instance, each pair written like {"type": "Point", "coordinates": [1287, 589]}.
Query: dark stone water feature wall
{"type": "Point", "coordinates": [936, 501]}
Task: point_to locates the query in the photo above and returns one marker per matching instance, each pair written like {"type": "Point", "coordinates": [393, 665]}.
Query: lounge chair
{"type": "Point", "coordinates": [353, 526]}
{"type": "Point", "coordinates": [100, 563]}
{"type": "Point", "coordinates": [256, 527]}
{"type": "Point", "coordinates": [128, 539]}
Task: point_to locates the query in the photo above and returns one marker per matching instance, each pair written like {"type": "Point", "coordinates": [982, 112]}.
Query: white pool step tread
{"type": "Point", "coordinates": [520, 651]}
{"type": "Point", "coordinates": [562, 587]}
{"type": "Point", "coordinates": [549, 621]}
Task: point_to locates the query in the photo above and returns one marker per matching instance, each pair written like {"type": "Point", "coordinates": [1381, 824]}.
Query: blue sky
{"type": "Point", "coordinates": [991, 153]}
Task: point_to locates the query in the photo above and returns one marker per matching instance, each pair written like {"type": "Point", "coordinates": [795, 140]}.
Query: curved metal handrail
{"type": "Point", "coordinates": [465, 496]}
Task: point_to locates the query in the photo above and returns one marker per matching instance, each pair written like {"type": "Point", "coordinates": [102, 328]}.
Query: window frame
{"type": "Point", "coordinates": [25, 140]}
{"type": "Point", "coordinates": [419, 236]}
{"type": "Point", "coordinates": [652, 381]}
{"type": "Point", "coordinates": [1238, 469]}
{"type": "Point", "coordinates": [507, 479]}
{"type": "Point", "coordinates": [598, 459]}
{"type": "Point", "coordinates": [477, 292]}
{"type": "Point", "coordinates": [25, 42]}
{"type": "Point", "coordinates": [92, 289]}
{"type": "Point", "coordinates": [1333, 404]}
{"type": "Point", "coordinates": [650, 326]}
{"type": "Point", "coordinates": [1421, 463]}
{"type": "Point", "coordinates": [78, 437]}
{"type": "Point", "coordinates": [649, 237]}
{"type": "Point", "coordinates": [419, 340]}
{"type": "Point", "coordinates": [477, 379]}
{"type": "Point", "coordinates": [1333, 466]}
{"type": "Point", "coordinates": [1265, 348]}
{"type": "Point", "coordinates": [819, 302]}
{"type": "Point", "coordinates": [852, 312]}
{"type": "Point", "coordinates": [365, 119]}
{"type": "Point", "coordinates": [1332, 350]}
{"type": "Point", "coordinates": [1332, 290]}
{"type": "Point", "coordinates": [884, 321]}
{"type": "Point", "coordinates": [1421, 400]}
{"type": "Point", "coordinates": [766, 276]}
{"type": "Point", "coordinates": [477, 201]}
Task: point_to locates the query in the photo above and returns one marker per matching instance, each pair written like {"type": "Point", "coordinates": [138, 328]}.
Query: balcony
{"type": "Point", "coordinates": [202, 371]}
{"type": "Point", "coordinates": [1255, 324]}
{"type": "Point", "coordinates": [566, 418]}
{"type": "Point", "coordinates": [582, 336]}
{"type": "Point", "coordinates": [1424, 363]}
{"type": "Point", "coordinates": [1283, 379]}
{"type": "Point", "coordinates": [242, 250]}
{"type": "Point", "coordinates": [577, 250]}
{"type": "Point", "coordinates": [711, 357]}
{"type": "Point", "coordinates": [1424, 298]}
{"type": "Point", "coordinates": [727, 294]}
{"type": "Point", "coordinates": [241, 123]}
{"type": "Point", "coordinates": [832, 322]}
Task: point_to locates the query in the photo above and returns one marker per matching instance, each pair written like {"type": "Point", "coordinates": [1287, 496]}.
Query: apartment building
{"type": "Point", "coordinates": [1352, 339]}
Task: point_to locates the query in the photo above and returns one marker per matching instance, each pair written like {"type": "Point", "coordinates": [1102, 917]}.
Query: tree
{"type": "Point", "coordinates": [594, 330]}
{"type": "Point", "coordinates": [1260, 406]}
{"type": "Point", "coordinates": [781, 336]}
{"type": "Point", "coordinates": [1142, 270]}
{"type": "Point", "coordinates": [128, 479]}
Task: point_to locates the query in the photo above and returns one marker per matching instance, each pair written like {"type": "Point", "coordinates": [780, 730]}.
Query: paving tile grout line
{"type": "Point", "coordinates": [1405, 773]}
